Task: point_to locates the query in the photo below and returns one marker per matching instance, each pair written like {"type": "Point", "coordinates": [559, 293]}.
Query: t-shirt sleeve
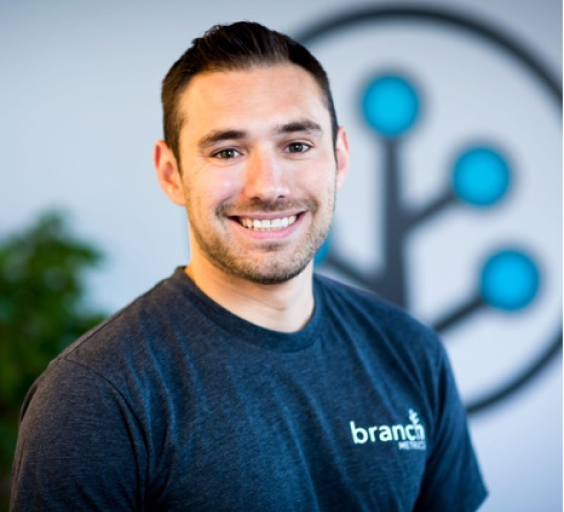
{"type": "Point", "coordinates": [452, 479]}
{"type": "Point", "coordinates": [79, 446]}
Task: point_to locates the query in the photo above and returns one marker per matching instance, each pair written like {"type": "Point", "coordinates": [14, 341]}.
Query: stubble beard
{"type": "Point", "coordinates": [277, 263]}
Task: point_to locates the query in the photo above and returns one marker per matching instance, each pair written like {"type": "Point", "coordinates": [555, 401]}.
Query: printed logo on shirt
{"type": "Point", "coordinates": [410, 436]}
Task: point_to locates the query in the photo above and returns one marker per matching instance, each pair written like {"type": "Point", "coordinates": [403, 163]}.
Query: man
{"type": "Point", "coordinates": [244, 382]}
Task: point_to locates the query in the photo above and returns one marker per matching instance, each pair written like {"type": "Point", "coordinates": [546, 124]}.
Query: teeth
{"type": "Point", "coordinates": [267, 224]}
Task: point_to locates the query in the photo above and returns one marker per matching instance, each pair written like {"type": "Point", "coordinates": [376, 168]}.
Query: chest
{"type": "Point", "coordinates": [324, 433]}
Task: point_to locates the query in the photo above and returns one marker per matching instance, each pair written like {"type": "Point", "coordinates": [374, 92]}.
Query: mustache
{"type": "Point", "coordinates": [257, 205]}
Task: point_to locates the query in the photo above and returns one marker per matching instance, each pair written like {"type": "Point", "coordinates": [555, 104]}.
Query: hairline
{"type": "Point", "coordinates": [247, 66]}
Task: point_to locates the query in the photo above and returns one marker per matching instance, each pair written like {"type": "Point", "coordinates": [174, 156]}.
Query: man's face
{"type": "Point", "coordinates": [259, 170]}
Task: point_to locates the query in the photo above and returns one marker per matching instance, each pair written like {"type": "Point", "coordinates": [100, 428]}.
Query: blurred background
{"type": "Point", "coordinates": [453, 207]}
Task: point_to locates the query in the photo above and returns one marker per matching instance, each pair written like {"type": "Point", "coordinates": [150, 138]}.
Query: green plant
{"type": "Point", "coordinates": [42, 309]}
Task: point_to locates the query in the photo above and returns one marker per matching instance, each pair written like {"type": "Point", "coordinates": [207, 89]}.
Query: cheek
{"type": "Point", "coordinates": [207, 191]}
{"type": "Point", "coordinates": [225, 185]}
{"type": "Point", "coordinates": [321, 179]}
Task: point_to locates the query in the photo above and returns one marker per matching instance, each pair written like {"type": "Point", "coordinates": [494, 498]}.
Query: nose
{"type": "Point", "coordinates": [265, 178]}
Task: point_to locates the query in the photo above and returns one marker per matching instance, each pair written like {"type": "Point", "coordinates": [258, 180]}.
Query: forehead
{"type": "Point", "coordinates": [268, 93]}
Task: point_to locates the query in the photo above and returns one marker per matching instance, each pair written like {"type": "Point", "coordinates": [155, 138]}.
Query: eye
{"type": "Point", "coordinates": [226, 154]}
{"type": "Point", "coordinates": [298, 147]}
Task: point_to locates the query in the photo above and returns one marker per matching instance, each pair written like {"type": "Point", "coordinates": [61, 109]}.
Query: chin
{"type": "Point", "coordinates": [271, 276]}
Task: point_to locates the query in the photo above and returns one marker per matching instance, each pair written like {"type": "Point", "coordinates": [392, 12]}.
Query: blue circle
{"type": "Point", "coordinates": [390, 105]}
{"type": "Point", "coordinates": [323, 252]}
{"type": "Point", "coordinates": [510, 280]}
{"type": "Point", "coordinates": [481, 176]}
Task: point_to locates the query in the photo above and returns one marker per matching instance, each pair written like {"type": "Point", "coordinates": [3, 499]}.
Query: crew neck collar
{"type": "Point", "coordinates": [245, 331]}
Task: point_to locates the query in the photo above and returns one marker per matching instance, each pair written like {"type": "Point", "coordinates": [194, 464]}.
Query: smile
{"type": "Point", "coordinates": [267, 224]}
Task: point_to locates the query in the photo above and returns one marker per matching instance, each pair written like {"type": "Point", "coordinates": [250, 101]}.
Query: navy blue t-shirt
{"type": "Point", "coordinates": [175, 404]}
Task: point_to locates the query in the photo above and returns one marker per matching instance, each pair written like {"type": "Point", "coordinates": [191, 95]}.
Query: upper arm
{"type": "Point", "coordinates": [79, 446]}
{"type": "Point", "coordinates": [452, 479]}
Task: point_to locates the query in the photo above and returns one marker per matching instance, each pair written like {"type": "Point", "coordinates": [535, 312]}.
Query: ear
{"type": "Point", "coordinates": [168, 172]}
{"type": "Point", "coordinates": [342, 156]}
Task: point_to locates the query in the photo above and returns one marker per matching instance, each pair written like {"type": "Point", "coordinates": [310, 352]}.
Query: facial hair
{"type": "Point", "coordinates": [276, 264]}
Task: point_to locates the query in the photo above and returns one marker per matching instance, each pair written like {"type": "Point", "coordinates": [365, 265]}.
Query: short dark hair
{"type": "Point", "coordinates": [239, 46]}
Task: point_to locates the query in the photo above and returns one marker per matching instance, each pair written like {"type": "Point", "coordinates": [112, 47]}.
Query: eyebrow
{"type": "Point", "coordinates": [304, 126]}
{"type": "Point", "coordinates": [299, 126]}
{"type": "Point", "coordinates": [220, 135]}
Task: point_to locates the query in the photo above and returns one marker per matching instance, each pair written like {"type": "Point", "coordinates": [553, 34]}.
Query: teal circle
{"type": "Point", "coordinates": [510, 280]}
{"type": "Point", "coordinates": [390, 105]}
{"type": "Point", "coordinates": [323, 252]}
{"type": "Point", "coordinates": [481, 176]}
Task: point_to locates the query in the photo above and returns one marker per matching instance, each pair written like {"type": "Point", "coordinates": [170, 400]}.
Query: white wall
{"type": "Point", "coordinates": [80, 111]}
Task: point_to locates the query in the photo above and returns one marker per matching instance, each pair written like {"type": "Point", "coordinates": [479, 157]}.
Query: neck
{"type": "Point", "coordinates": [284, 307]}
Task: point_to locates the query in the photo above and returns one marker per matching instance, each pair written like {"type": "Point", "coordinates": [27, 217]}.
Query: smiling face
{"type": "Point", "coordinates": [258, 171]}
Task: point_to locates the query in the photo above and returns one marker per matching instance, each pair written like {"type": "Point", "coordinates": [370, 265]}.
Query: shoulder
{"type": "Point", "coordinates": [140, 336]}
{"type": "Point", "coordinates": [381, 330]}
{"type": "Point", "coordinates": [352, 304]}
{"type": "Point", "coordinates": [123, 324]}
{"type": "Point", "coordinates": [126, 362]}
